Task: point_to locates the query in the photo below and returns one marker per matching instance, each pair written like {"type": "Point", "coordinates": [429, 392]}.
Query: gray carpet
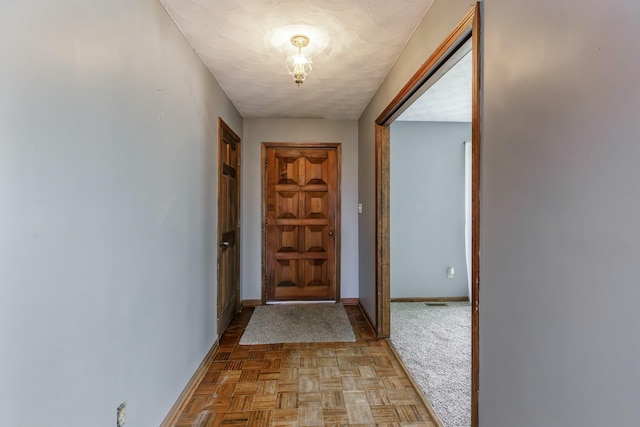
{"type": "Point", "coordinates": [435, 345]}
{"type": "Point", "coordinates": [281, 323]}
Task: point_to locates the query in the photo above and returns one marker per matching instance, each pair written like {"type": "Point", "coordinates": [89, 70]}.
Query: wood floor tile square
{"type": "Point", "coordinates": [308, 362]}
{"type": "Point", "coordinates": [402, 397]}
{"type": "Point", "coordinates": [205, 389]}
{"type": "Point", "coordinates": [270, 365]}
{"type": "Point", "coordinates": [234, 365]}
{"type": "Point", "coordinates": [345, 361]}
{"type": "Point", "coordinates": [356, 398]}
{"type": "Point", "coordinates": [218, 404]}
{"type": "Point", "coordinates": [388, 371]}
{"type": "Point", "coordinates": [309, 399]}
{"type": "Point", "coordinates": [224, 390]}
{"type": "Point", "coordinates": [407, 413]}
{"type": "Point", "coordinates": [349, 372]}
{"type": "Point", "coordinates": [393, 383]}
{"type": "Point", "coordinates": [246, 388]}
{"type": "Point", "coordinates": [222, 356]}
{"type": "Point", "coordinates": [261, 418]}
{"type": "Point", "coordinates": [350, 383]}
{"type": "Point", "coordinates": [329, 372]}
{"type": "Point", "coordinates": [267, 387]}
{"type": "Point", "coordinates": [229, 377]}
{"type": "Point", "coordinates": [256, 355]}
{"type": "Point", "coordinates": [309, 385]}
{"type": "Point", "coordinates": [291, 386]}
{"type": "Point", "coordinates": [273, 354]}
{"type": "Point", "coordinates": [241, 403]}
{"type": "Point", "coordinates": [211, 377]}
{"type": "Point", "coordinates": [360, 415]}
{"type": "Point", "coordinates": [327, 361]}
{"type": "Point", "coordinates": [196, 404]}
{"type": "Point", "coordinates": [381, 361]}
{"type": "Point", "coordinates": [259, 347]}
{"type": "Point", "coordinates": [367, 371]}
{"type": "Point", "coordinates": [285, 418]}
{"type": "Point", "coordinates": [335, 416]}
{"type": "Point", "coordinates": [269, 376]}
{"type": "Point", "coordinates": [239, 354]}
{"type": "Point", "coordinates": [217, 365]}
{"type": "Point", "coordinates": [332, 399]}
{"type": "Point", "coordinates": [377, 398]}
{"type": "Point", "coordinates": [384, 414]}
{"type": "Point", "coordinates": [236, 419]}
{"type": "Point", "coordinates": [359, 361]}
{"type": "Point", "coordinates": [249, 375]}
{"type": "Point", "coordinates": [253, 364]}
{"type": "Point", "coordinates": [289, 374]}
{"type": "Point", "coordinates": [287, 400]}
{"type": "Point", "coordinates": [370, 384]}
{"type": "Point", "coordinates": [331, 384]}
{"type": "Point", "coordinates": [264, 401]}
{"type": "Point", "coordinates": [307, 370]}
{"type": "Point", "coordinates": [310, 416]}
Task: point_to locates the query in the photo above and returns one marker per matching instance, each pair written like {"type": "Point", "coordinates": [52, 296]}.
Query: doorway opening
{"type": "Point", "coordinates": [467, 32]}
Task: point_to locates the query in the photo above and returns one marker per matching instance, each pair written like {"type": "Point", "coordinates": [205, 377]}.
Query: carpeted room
{"type": "Point", "coordinates": [434, 343]}
{"type": "Point", "coordinates": [430, 312]}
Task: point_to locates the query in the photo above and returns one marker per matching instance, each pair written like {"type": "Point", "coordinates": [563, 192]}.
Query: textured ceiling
{"type": "Point", "coordinates": [240, 41]}
{"type": "Point", "coordinates": [448, 100]}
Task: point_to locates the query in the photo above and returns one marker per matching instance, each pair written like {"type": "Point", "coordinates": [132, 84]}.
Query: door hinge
{"type": "Point", "coordinates": [266, 220]}
{"type": "Point", "coordinates": [266, 164]}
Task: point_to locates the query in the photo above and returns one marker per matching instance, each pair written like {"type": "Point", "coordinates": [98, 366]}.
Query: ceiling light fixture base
{"type": "Point", "coordinates": [300, 41]}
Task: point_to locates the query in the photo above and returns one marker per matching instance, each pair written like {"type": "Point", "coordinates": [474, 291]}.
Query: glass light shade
{"type": "Point", "coordinates": [299, 67]}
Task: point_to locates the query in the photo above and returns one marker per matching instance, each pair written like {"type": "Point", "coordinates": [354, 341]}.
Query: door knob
{"type": "Point", "coordinates": [331, 233]}
{"type": "Point", "coordinates": [224, 244]}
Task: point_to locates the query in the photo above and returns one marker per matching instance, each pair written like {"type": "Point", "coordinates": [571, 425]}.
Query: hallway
{"type": "Point", "coordinates": [305, 384]}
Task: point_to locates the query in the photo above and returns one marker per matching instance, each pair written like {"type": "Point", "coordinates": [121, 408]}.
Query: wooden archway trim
{"type": "Point", "coordinates": [469, 26]}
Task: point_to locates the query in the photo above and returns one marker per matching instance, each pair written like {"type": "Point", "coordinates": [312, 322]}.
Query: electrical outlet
{"type": "Point", "coordinates": [121, 413]}
{"type": "Point", "coordinates": [451, 273]}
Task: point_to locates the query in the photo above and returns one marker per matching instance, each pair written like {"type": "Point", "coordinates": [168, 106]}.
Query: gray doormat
{"type": "Point", "coordinates": [282, 323]}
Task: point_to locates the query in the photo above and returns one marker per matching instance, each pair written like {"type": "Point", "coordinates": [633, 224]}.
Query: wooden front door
{"type": "Point", "coordinates": [228, 225]}
{"type": "Point", "coordinates": [302, 222]}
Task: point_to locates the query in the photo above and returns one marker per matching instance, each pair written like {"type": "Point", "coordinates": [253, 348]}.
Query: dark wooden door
{"type": "Point", "coordinates": [302, 230]}
{"type": "Point", "coordinates": [228, 225]}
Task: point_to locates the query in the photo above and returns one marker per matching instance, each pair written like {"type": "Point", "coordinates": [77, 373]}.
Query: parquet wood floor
{"type": "Point", "coordinates": [305, 384]}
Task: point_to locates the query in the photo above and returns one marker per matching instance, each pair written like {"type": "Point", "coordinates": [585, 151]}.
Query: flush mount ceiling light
{"type": "Point", "coordinates": [299, 66]}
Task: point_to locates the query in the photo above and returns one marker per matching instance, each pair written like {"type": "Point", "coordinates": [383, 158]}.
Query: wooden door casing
{"type": "Point", "coordinates": [301, 222]}
{"type": "Point", "coordinates": [469, 27]}
{"type": "Point", "coordinates": [228, 225]}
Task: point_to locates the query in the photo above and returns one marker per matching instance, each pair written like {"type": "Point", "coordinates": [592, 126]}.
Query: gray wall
{"type": "Point", "coordinates": [559, 336]}
{"type": "Point", "coordinates": [441, 18]}
{"type": "Point", "coordinates": [559, 329]}
{"type": "Point", "coordinates": [257, 131]}
{"type": "Point", "coordinates": [108, 139]}
{"type": "Point", "coordinates": [427, 209]}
